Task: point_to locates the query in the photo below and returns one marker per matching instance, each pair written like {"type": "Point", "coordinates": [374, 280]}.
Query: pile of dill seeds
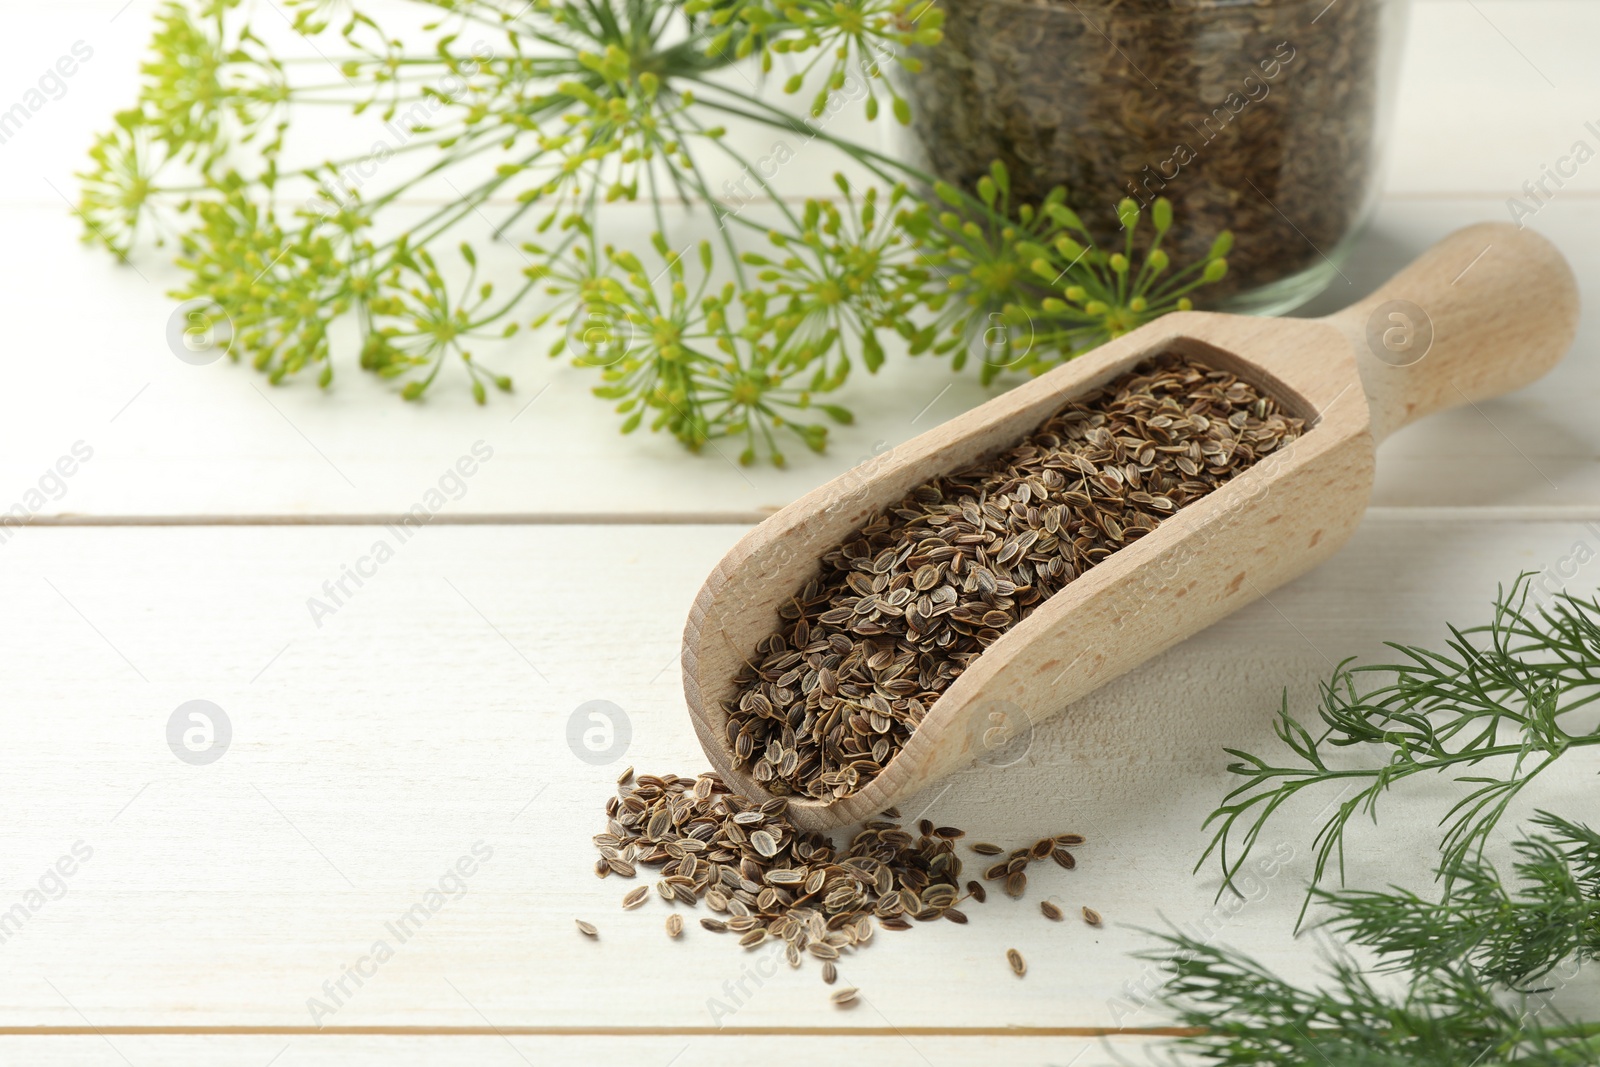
{"type": "Point", "coordinates": [902, 608]}
{"type": "Point", "coordinates": [768, 882]}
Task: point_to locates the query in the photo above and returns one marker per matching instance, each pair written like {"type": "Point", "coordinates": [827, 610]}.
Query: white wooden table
{"type": "Point", "coordinates": [428, 715]}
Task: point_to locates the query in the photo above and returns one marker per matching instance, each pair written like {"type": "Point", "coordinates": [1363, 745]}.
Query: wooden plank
{"type": "Point", "coordinates": [171, 440]}
{"type": "Point", "coordinates": [1495, 72]}
{"type": "Point", "coordinates": [429, 715]}
{"type": "Point", "coordinates": [116, 1050]}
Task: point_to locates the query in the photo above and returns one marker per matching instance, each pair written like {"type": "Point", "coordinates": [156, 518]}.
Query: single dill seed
{"type": "Point", "coordinates": [1069, 840]}
{"type": "Point", "coordinates": [977, 892]}
{"type": "Point", "coordinates": [1019, 966]}
{"type": "Point", "coordinates": [635, 897]}
{"type": "Point", "coordinates": [1016, 884]}
{"type": "Point", "coordinates": [830, 973]}
{"type": "Point", "coordinates": [1050, 910]}
{"type": "Point", "coordinates": [674, 925]}
{"type": "Point", "coordinates": [983, 848]}
{"type": "Point", "coordinates": [1091, 916]}
{"type": "Point", "coordinates": [846, 996]}
{"type": "Point", "coordinates": [625, 777]}
{"type": "Point", "coordinates": [1064, 858]}
{"type": "Point", "coordinates": [587, 929]}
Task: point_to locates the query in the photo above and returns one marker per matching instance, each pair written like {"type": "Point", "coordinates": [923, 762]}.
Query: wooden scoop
{"type": "Point", "coordinates": [1485, 311]}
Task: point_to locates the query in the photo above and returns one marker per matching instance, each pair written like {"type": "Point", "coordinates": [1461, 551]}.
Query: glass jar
{"type": "Point", "coordinates": [1264, 117]}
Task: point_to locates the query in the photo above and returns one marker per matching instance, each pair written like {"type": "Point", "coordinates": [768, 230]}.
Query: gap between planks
{"type": "Point", "coordinates": [598, 1031]}
{"type": "Point", "coordinates": [1582, 513]}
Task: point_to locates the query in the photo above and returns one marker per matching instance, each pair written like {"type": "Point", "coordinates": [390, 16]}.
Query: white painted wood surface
{"type": "Point", "coordinates": [516, 1050]}
{"type": "Point", "coordinates": [177, 441]}
{"type": "Point", "coordinates": [430, 711]}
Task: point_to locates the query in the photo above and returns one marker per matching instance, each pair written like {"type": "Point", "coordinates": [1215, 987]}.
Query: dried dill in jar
{"type": "Point", "coordinates": [1264, 117]}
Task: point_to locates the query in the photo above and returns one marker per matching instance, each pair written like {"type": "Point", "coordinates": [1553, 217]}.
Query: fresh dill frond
{"type": "Point", "coordinates": [559, 109]}
{"type": "Point", "coordinates": [1243, 1013]}
{"type": "Point", "coordinates": [1514, 936]}
{"type": "Point", "coordinates": [1471, 975]}
{"type": "Point", "coordinates": [1491, 713]}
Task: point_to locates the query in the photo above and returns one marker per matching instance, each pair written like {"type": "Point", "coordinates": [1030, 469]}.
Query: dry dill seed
{"type": "Point", "coordinates": [983, 848]}
{"type": "Point", "coordinates": [625, 777]}
{"type": "Point", "coordinates": [1019, 966]}
{"type": "Point", "coordinates": [846, 996]}
{"type": "Point", "coordinates": [830, 973]}
{"type": "Point", "coordinates": [790, 887]}
{"type": "Point", "coordinates": [1050, 911]}
{"type": "Point", "coordinates": [773, 881]}
{"type": "Point", "coordinates": [1016, 884]}
{"type": "Point", "coordinates": [1091, 916]}
{"type": "Point", "coordinates": [1064, 858]}
{"type": "Point", "coordinates": [1042, 848]}
{"type": "Point", "coordinates": [587, 929]}
{"type": "Point", "coordinates": [1069, 840]}
{"type": "Point", "coordinates": [903, 607]}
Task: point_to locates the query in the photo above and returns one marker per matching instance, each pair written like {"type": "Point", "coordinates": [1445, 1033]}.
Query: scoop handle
{"type": "Point", "coordinates": [1485, 311]}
